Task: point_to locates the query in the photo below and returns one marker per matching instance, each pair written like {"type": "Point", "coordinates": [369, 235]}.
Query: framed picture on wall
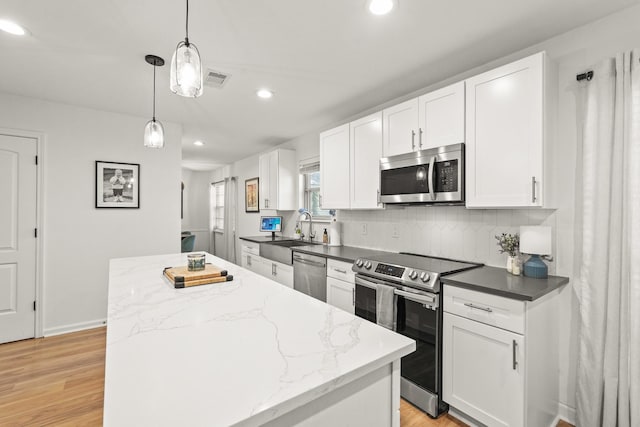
{"type": "Point", "coordinates": [251, 195]}
{"type": "Point", "coordinates": [117, 185]}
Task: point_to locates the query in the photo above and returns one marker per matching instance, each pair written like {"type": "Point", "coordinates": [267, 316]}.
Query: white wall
{"type": "Point", "coordinates": [79, 239]}
{"type": "Point", "coordinates": [196, 206]}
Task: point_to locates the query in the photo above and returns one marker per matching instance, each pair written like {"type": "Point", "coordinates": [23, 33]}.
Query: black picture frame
{"type": "Point", "coordinates": [117, 185]}
{"type": "Point", "coordinates": [252, 195]}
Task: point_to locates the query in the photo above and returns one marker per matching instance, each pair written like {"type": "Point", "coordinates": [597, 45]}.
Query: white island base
{"type": "Point", "coordinates": [248, 352]}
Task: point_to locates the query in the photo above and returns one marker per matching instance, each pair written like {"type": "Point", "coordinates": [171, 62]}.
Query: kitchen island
{"type": "Point", "coordinates": [246, 352]}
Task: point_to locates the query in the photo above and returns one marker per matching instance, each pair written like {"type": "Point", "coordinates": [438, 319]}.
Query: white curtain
{"type": "Point", "coordinates": [230, 212]}
{"type": "Point", "coordinates": [608, 280]}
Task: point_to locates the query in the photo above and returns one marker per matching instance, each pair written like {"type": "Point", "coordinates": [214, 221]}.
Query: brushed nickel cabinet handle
{"type": "Point", "coordinates": [420, 138]}
{"type": "Point", "coordinates": [515, 362]}
{"type": "Point", "coordinates": [413, 139]}
{"type": "Point", "coordinates": [487, 309]}
{"type": "Point", "coordinates": [533, 189]}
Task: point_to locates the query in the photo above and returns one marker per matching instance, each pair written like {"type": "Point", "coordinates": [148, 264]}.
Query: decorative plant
{"type": "Point", "coordinates": [508, 243]}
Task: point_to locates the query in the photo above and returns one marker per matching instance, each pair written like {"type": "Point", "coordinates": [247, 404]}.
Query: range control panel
{"type": "Point", "coordinates": [390, 270]}
{"type": "Point", "coordinates": [399, 274]}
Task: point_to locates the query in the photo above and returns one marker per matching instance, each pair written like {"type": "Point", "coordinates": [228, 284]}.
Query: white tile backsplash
{"type": "Point", "coordinates": [446, 231]}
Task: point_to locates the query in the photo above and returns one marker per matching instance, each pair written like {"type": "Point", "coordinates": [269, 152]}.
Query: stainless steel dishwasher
{"type": "Point", "coordinates": [310, 275]}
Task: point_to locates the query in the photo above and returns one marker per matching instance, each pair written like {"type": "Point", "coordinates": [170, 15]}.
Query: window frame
{"type": "Point", "coordinates": [307, 191]}
{"type": "Point", "coordinates": [217, 212]}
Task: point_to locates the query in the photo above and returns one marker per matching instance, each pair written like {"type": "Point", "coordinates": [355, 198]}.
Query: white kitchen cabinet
{"type": "Point", "coordinates": [249, 252]}
{"type": "Point", "coordinates": [441, 119]}
{"type": "Point", "coordinates": [505, 136]}
{"type": "Point", "coordinates": [400, 128]}
{"type": "Point", "coordinates": [334, 168]}
{"type": "Point", "coordinates": [499, 357]}
{"type": "Point", "coordinates": [281, 273]}
{"type": "Point", "coordinates": [365, 151]}
{"type": "Point", "coordinates": [341, 285]}
{"type": "Point", "coordinates": [278, 180]}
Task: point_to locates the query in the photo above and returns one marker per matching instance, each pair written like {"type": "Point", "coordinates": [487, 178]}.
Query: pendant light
{"type": "Point", "coordinates": [153, 131]}
{"type": "Point", "coordinates": [186, 67]}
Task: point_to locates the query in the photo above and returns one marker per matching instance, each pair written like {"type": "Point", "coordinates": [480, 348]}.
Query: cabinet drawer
{"type": "Point", "coordinates": [340, 270]}
{"type": "Point", "coordinates": [250, 247]}
{"type": "Point", "coordinates": [490, 309]}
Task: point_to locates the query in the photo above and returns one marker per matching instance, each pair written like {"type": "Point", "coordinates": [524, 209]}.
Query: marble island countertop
{"type": "Point", "coordinates": [235, 353]}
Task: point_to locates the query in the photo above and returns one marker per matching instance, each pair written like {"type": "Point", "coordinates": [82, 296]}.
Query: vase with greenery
{"type": "Point", "coordinates": [509, 243]}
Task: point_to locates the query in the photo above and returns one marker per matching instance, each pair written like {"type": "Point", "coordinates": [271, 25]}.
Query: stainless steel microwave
{"type": "Point", "coordinates": [432, 176]}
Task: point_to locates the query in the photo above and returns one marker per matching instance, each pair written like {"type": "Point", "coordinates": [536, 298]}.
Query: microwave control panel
{"type": "Point", "coordinates": [446, 176]}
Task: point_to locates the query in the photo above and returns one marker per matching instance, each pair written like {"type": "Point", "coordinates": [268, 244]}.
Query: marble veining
{"type": "Point", "coordinates": [233, 353]}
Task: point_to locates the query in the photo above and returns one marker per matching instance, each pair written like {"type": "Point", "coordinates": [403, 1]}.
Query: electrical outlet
{"type": "Point", "coordinates": [364, 229]}
{"type": "Point", "coordinates": [395, 233]}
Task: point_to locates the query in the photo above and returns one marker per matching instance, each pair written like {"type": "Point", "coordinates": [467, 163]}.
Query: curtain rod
{"type": "Point", "coordinates": [585, 76]}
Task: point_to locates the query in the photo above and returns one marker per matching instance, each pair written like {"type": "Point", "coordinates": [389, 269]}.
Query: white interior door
{"type": "Point", "coordinates": [18, 177]}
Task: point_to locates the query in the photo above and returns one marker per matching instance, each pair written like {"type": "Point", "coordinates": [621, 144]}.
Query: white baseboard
{"type": "Point", "coordinates": [463, 417]}
{"type": "Point", "coordinates": [75, 327]}
{"type": "Point", "coordinates": [566, 413]}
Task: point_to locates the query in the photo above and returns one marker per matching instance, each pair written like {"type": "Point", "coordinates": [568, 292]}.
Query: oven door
{"type": "Point", "coordinates": [365, 305]}
{"type": "Point", "coordinates": [418, 317]}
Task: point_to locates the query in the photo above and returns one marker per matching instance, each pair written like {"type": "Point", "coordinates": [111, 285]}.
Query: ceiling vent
{"type": "Point", "coordinates": [215, 78]}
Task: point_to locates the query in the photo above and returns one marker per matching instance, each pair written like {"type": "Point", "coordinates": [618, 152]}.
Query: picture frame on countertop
{"type": "Point", "coordinates": [117, 185]}
{"type": "Point", "coordinates": [252, 195]}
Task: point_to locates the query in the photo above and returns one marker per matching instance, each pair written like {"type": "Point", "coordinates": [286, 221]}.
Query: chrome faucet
{"type": "Point", "coordinates": [304, 212]}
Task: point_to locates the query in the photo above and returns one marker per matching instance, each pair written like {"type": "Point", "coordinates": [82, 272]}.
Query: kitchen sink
{"type": "Point", "coordinates": [280, 250]}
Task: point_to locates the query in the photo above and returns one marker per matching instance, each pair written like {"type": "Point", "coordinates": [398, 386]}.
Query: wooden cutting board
{"type": "Point", "coordinates": [183, 275]}
{"type": "Point", "coordinates": [208, 281]}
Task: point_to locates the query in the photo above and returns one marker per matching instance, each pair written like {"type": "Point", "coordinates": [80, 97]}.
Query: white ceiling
{"type": "Point", "coordinates": [325, 60]}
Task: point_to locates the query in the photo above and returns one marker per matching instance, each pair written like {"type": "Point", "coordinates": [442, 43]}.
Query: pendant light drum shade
{"type": "Point", "coordinates": [186, 71]}
{"type": "Point", "coordinates": [153, 134]}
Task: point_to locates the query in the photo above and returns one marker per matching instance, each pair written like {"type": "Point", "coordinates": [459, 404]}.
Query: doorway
{"type": "Point", "coordinates": [18, 236]}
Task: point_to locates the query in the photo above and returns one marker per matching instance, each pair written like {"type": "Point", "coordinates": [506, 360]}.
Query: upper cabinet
{"type": "Point", "coordinates": [334, 168]}
{"type": "Point", "coordinates": [505, 136]}
{"type": "Point", "coordinates": [278, 180]}
{"type": "Point", "coordinates": [400, 128]}
{"type": "Point", "coordinates": [432, 120]}
{"type": "Point", "coordinates": [441, 117]}
{"type": "Point", "coordinates": [349, 164]}
{"type": "Point", "coordinates": [366, 149]}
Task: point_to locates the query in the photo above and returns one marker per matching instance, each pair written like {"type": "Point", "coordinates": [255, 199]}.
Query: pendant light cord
{"type": "Point", "coordinates": [154, 91]}
{"type": "Point", "coordinates": [186, 39]}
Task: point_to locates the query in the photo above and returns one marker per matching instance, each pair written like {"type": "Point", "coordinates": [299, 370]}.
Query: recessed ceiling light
{"type": "Point", "coordinates": [380, 7]}
{"type": "Point", "coordinates": [12, 28]}
{"type": "Point", "coordinates": [198, 143]}
{"type": "Point", "coordinates": [264, 93]}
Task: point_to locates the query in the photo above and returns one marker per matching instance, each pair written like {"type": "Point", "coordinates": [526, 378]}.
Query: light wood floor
{"type": "Point", "coordinates": [59, 381]}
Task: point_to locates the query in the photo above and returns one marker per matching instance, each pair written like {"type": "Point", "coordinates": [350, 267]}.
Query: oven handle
{"type": "Point", "coordinates": [432, 172]}
{"type": "Point", "coordinates": [366, 283]}
{"type": "Point", "coordinates": [419, 298]}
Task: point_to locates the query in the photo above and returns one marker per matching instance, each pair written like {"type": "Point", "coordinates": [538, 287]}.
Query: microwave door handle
{"type": "Point", "coordinates": [432, 177]}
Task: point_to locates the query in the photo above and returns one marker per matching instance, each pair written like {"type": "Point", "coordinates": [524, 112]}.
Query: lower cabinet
{"type": "Point", "coordinates": [499, 357]}
{"type": "Point", "coordinates": [483, 371]}
{"type": "Point", "coordinates": [281, 273]}
{"type": "Point", "coordinates": [340, 285]}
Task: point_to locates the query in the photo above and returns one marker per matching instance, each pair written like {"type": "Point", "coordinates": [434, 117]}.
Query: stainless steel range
{"type": "Point", "coordinates": [402, 292]}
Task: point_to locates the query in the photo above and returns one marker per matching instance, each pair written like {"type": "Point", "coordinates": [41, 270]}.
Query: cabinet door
{"type": "Point", "coordinates": [334, 168]}
{"type": "Point", "coordinates": [483, 371]}
{"type": "Point", "coordinates": [441, 117]}
{"type": "Point", "coordinates": [264, 164]}
{"type": "Point", "coordinates": [366, 150]}
{"type": "Point", "coordinates": [341, 294]}
{"type": "Point", "coordinates": [400, 127]}
{"type": "Point", "coordinates": [272, 198]}
{"type": "Point", "coordinates": [504, 135]}
{"type": "Point", "coordinates": [281, 273]}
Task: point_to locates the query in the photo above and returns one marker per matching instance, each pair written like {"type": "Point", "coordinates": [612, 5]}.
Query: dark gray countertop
{"type": "Point", "coordinates": [341, 253]}
{"type": "Point", "coordinates": [498, 281]}
{"type": "Point", "coordinates": [265, 239]}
